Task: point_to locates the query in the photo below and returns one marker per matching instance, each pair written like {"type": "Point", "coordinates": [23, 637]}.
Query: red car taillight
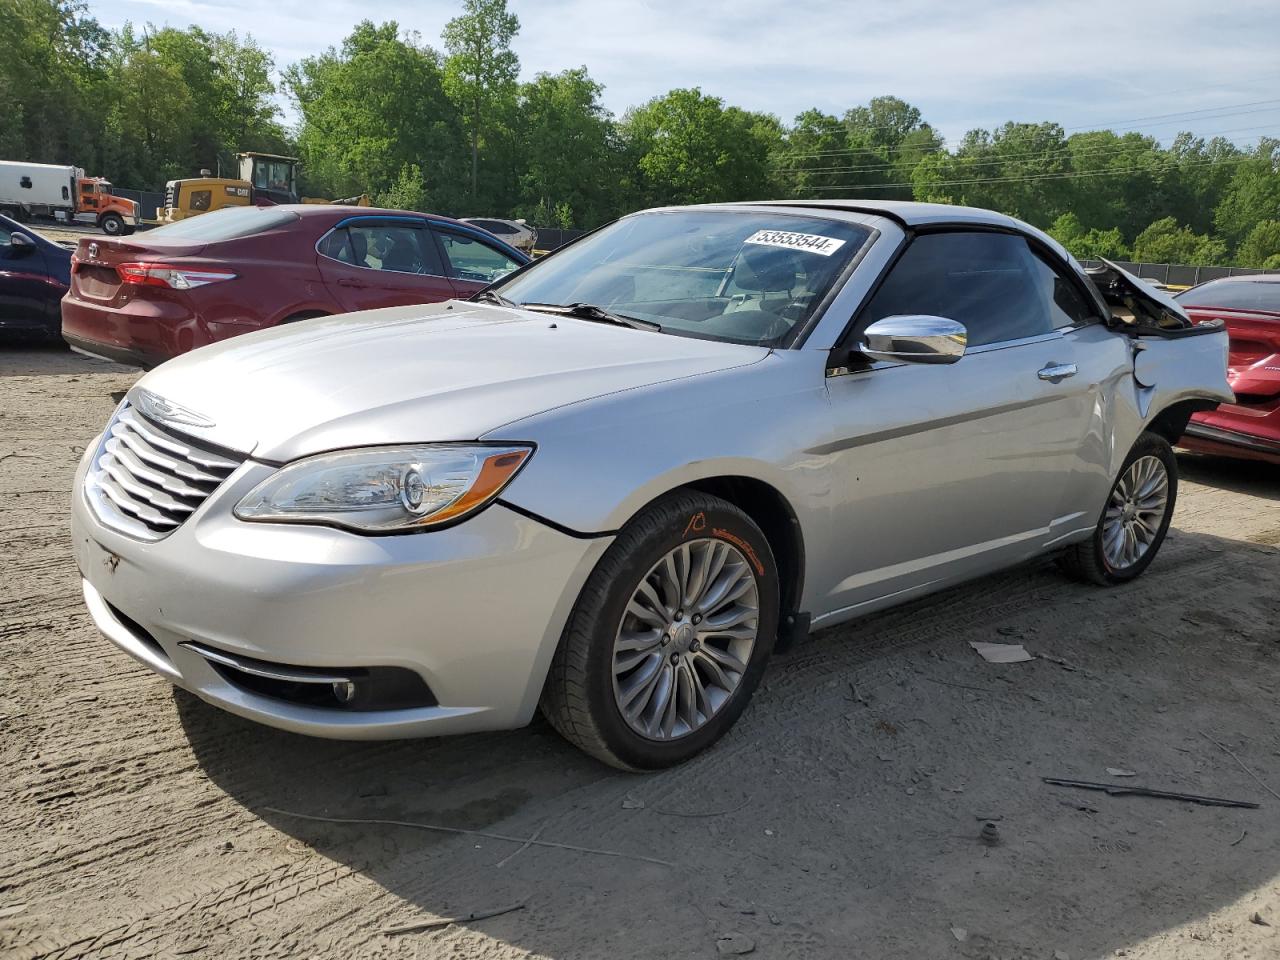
{"type": "Point", "coordinates": [159, 275]}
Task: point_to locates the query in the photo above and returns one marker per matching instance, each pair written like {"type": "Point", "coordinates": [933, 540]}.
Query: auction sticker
{"type": "Point", "coordinates": [808, 242]}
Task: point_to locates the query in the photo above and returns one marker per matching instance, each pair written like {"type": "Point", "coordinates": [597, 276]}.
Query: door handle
{"type": "Point", "coordinates": [349, 282]}
{"type": "Point", "coordinates": [1056, 372]}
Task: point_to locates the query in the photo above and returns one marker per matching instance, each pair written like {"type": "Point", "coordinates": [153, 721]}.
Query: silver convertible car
{"type": "Point", "coordinates": [613, 482]}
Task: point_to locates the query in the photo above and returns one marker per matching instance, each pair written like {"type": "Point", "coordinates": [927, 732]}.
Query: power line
{"type": "Point", "coordinates": [1047, 176]}
{"type": "Point", "coordinates": [1099, 127]}
{"type": "Point", "coordinates": [1184, 113]}
{"type": "Point", "coordinates": [1065, 152]}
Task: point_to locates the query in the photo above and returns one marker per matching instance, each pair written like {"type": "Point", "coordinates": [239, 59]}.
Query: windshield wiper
{"type": "Point", "coordinates": [493, 296]}
{"type": "Point", "coordinates": [589, 311]}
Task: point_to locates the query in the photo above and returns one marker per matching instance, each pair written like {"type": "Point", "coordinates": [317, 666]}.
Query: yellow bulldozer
{"type": "Point", "coordinates": [265, 179]}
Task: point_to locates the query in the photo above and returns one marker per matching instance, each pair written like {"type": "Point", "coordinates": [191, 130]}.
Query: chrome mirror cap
{"type": "Point", "coordinates": [915, 339]}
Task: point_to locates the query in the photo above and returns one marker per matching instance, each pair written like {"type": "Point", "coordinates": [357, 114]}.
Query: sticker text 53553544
{"type": "Point", "coordinates": [808, 242]}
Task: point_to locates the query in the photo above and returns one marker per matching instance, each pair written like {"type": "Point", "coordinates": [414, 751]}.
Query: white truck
{"type": "Point", "coordinates": [65, 193]}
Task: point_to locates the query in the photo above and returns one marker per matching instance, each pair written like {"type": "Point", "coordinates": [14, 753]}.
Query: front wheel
{"type": "Point", "coordinates": [1134, 521]}
{"type": "Point", "coordinates": [112, 225]}
{"type": "Point", "coordinates": [669, 636]}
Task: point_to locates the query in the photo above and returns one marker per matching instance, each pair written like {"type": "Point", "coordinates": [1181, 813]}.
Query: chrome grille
{"type": "Point", "coordinates": [145, 480]}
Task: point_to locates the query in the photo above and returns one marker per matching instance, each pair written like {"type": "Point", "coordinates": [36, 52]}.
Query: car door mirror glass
{"type": "Point", "coordinates": [915, 338]}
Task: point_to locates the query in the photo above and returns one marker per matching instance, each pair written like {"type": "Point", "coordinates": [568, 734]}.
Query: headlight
{"type": "Point", "coordinates": [386, 489]}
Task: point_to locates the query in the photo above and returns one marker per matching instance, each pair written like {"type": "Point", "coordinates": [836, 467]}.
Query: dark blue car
{"type": "Point", "coordinates": [34, 274]}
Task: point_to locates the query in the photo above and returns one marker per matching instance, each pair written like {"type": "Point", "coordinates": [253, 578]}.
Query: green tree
{"type": "Point", "coordinates": [407, 192]}
{"type": "Point", "coordinates": [691, 148]}
{"type": "Point", "coordinates": [886, 139]}
{"type": "Point", "coordinates": [1167, 242]}
{"type": "Point", "coordinates": [372, 108]}
{"type": "Point", "coordinates": [812, 158]}
{"type": "Point", "coordinates": [567, 149]}
{"type": "Point", "coordinates": [1253, 194]}
{"type": "Point", "coordinates": [1261, 245]}
{"type": "Point", "coordinates": [1114, 180]}
{"type": "Point", "coordinates": [481, 69]}
{"type": "Point", "coordinates": [1088, 244]}
{"type": "Point", "coordinates": [53, 77]}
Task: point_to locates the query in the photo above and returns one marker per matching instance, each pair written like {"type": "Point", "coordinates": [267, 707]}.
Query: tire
{"type": "Point", "coordinates": [582, 696]}
{"type": "Point", "coordinates": [112, 224]}
{"type": "Point", "coordinates": [1091, 561]}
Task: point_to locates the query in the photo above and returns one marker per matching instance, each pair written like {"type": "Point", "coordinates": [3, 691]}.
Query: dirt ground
{"type": "Point", "coordinates": [839, 819]}
{"type": "Point", "coordinates": [65, 233]}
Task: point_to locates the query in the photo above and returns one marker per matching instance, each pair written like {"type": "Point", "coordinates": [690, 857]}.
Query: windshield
{"type": "Point", "coordinates": [226, 224]}
{"type": "Point", "coordinates": [1234, 295]}
{"type": "Point", "coordinates": [272, 174]}
{"type": "Point", "coordinates": [743, 277]}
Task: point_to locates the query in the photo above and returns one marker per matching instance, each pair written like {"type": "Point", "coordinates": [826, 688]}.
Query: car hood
{"type": "Point", "coordinates": [450, 371]}
{"type": "Point", "coordinates": [1138, 303]}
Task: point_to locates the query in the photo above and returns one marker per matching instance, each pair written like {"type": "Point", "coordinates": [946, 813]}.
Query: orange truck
{"type": "Point", "coordinates": [51, 190]}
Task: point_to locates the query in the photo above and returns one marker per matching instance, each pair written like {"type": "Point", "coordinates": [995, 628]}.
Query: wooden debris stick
{"type": "Point", "coordinates": [1224, 749]}
{"type": "Point", "coordinates": [523, 847]}
{"type": "Point", "coordinates": [447, 921]}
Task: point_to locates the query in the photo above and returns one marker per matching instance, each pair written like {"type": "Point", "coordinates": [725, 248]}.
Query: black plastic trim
{"type": "Point", "coordinates": [567, 531]}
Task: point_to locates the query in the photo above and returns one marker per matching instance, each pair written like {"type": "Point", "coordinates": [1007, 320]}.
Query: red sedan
{"type": "Point", "coordinates": [149, 297]}
{"type": "Point", "coordinates": [1250, 427]}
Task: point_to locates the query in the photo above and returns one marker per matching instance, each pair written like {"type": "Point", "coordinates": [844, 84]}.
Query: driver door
{"type": "Point", "coordinates": [371, 262]}
{"type": "Point", "coordinates": [947, 471]}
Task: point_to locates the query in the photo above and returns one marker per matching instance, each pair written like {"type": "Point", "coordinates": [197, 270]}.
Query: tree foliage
{"type": "Point", "coordinates": [481, 71]}
{"type": "Point", "coordinates": [691, 148]}
{"type": "Point", "coordinates": [456, 132]}
{"type": "Point", "coordinates": [373, 108]}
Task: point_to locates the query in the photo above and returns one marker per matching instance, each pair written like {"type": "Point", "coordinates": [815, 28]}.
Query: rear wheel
{"type": "Point", "coordinates": [669, 637]}
{"type": "Point", "coordinates": [1134, 521]}
{"type": "Point", "coordinates": [112, 224]}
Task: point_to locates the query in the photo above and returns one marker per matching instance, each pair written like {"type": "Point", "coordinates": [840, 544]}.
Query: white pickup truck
{"type": "Point", "coordinates": [64, 192]}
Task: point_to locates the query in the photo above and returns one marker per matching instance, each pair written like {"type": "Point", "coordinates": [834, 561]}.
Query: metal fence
{"type": "Point", "coordinates": [551, 237]}
{"type": "Point", "coordinates": [150, 202]}
{"type": "Point", "coordinates": [1179, 274]}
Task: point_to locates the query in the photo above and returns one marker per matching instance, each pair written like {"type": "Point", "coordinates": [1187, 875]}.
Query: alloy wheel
{"type": "Point", "coordinates": [1135, 512]}
{"type": "Point", "coordinates": [685, 639]}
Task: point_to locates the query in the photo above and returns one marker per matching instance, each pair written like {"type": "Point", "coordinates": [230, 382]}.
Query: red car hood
{"type": "Point", "coordinates": [1253, 367]}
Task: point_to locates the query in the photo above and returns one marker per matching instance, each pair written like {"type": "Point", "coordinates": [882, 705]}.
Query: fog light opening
{"type": "Point", "coordinates": [344, 691]}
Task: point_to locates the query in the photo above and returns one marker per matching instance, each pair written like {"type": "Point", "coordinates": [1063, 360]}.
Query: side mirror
{"type": "Point", "coordinates": [915, 339]}
{"type": "Point", "coordinates": [20, 245]}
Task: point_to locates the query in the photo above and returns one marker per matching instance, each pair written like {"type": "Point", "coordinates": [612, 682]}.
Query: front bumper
{"type": "Point", "coordinates": [475, 610]}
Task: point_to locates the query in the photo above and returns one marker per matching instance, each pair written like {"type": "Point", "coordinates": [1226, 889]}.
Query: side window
{"type": "Point", "coordinates": [88, 188]}
{"type": "Point", "coordinates": [396, 248]}
{"type": "Point", "coordinates": [990, 282]}
{"type": "Point", "coordinates": [4, 241]}
{"type": "Point", "coordinates": [472, 259]}
{"type": "Point", "coordinates": [200, 199]}
{"type": "Point", "coordinates": [337, 246]}
{"type": "Point", "coordinates": [1067, 305]}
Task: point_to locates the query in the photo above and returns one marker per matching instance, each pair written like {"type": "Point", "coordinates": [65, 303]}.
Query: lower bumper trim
{"type": "Point", "coordinates": [260, 668]}
{"type": "Point", "coordinates": [103, 351]}
{"type": "Point", "coordinates": [1206, 432]}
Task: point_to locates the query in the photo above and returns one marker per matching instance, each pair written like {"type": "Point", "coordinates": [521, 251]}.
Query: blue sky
{"type": "Point", "coordinates": [1082, 63]}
